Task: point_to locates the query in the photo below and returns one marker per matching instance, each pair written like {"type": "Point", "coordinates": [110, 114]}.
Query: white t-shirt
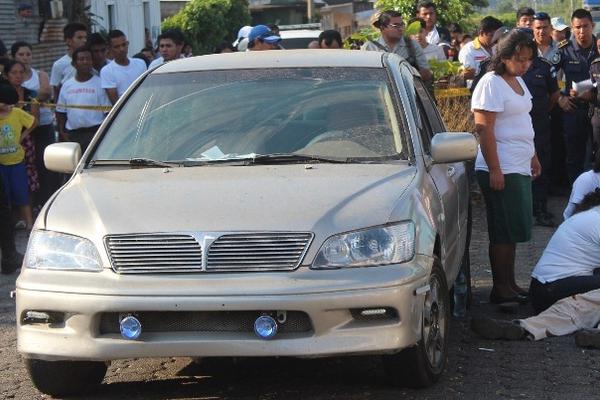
{"type": "Point", "coordinates": [434, 52]}
{"type": "Point", "coordinates": [61, 71]}
{"type": "Point", "coordinates": [433, 37]}
{"type": "Point", "coordinates": [513, 128]}
{"type": "Point", "coordinates": [584, 184]}
{"type": "Point", "coordinates": [472, 54]}
{"type": "Point", "coordinates": [120, 77]}
{"type": "Point", "coordinates": [88, 93]}
{"type": "Point", "coordinates": [156, 62]}
{"type": "Point", "coordinates": [573, 250]}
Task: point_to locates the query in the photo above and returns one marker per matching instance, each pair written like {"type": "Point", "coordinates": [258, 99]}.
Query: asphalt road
{"type": "Point", "coordinates": [477, 369]}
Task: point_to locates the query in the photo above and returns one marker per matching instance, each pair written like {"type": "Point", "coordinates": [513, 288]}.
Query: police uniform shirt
{"type": "Point", "coordinates": [551, 54]}
{"type": "Point", "coordinates": [595, 77]}
{"type": "Point", "coordinates": [575, 62]}
{"type": "Point", "coordinates": [541, 82]}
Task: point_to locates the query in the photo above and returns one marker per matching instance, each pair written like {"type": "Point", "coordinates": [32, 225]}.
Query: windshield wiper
{"type": "Point", "coordinates": [286, 157]}
{"type": "Point", "coordinates": [148, 162]}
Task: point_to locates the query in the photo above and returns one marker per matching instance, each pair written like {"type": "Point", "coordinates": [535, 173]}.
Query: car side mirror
{"type": "Point", "coordinates": [62, 157]}
{"type": "Point", "coordinates": [447, 147]}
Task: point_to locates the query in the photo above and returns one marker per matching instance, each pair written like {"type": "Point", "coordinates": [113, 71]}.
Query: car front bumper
{"type": "Point", "coordinates": [332, 300]}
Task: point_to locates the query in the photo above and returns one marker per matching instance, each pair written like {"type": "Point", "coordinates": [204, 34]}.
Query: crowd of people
{"type": "Point", "coordinates": [516, 75]}
{"type": "Point", "coordinates": [534, 100]}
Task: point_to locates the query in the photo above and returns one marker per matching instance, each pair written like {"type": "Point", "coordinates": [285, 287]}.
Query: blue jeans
{"type": "Point", "coordinates": [543, 295]}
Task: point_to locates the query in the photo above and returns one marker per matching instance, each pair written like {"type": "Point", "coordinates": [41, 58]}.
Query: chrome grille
{"type": "Point", "coordinates": [154, 253]}
{"type": "Point", "coordinates": [257, 251]}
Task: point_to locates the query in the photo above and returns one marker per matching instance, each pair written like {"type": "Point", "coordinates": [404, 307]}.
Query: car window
{"type": "Point", "coordinates": [297, 43]}
{"type": "Point", "coordinates": [207, 115]}
{"type": "Point", "coordinates": [429, 106]}
{"type": "Point", "coordinates": [425, 129]}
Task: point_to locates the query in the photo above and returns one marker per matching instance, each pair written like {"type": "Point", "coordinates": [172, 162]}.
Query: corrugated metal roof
{"type": "Point", "coordinates": [8, 15]}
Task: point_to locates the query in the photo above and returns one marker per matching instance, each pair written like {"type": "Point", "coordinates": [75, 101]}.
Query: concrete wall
{"type": "Point", "coordinates": [130, 16]}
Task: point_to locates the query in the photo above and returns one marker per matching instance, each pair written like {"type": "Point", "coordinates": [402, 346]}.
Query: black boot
{"type": "Point", "coordinates": [541, 215]}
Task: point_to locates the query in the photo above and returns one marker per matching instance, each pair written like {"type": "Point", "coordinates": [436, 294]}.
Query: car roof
{"type": "Point", "coordinates": [300, 33]}
{"type": "Point", "coordinates": [275, 59]}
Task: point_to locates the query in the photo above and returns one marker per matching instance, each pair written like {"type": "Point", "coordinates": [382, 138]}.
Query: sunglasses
{"type": "Point", "coordinates": [397, 26]}
{"type": "Point", "coordinates": [541, 16]}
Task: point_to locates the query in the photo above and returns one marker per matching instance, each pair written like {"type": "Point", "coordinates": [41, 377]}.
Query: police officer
{"type": "Point", "coordinates": [542, 34]}
{"type": "Point", "coordinates": [555, 171]}
{"type": "Point", "coordinates": [541, 82]}
{"type": "Point", "coordinates": [595, 76]}
{"type": "Point", "coordinates": [576, 58]}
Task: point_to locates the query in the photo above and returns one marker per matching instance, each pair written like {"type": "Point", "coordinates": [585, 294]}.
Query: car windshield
{"type": "Point", "coordinates": [324, 113]}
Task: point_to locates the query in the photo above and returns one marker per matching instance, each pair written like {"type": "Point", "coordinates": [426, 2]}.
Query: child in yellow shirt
{"type": "Point", "coordinates": [15, 124]}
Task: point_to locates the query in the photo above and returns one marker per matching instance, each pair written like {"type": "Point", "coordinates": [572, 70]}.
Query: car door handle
{"type": "Point", "coordinates": [450, 172]}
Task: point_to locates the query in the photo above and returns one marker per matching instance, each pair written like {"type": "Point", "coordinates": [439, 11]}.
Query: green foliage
{"type": "Point", "coordinates": [206, 23]}
{"type": "Point", "coordinates": [444, 69]}
{"type": "Point", "coordinates": [356, 40]}
{"type": "Point", "coordinates": [448, 10]}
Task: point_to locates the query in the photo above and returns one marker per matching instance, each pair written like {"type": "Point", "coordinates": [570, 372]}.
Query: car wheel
{"type": "Point", "coordinates": [61, 378]}
{"type": "Point", "coordinates": [423, 364]}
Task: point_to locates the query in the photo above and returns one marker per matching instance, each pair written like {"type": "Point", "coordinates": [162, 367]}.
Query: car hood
{"type": "Point", "coordinates": [320, 198]}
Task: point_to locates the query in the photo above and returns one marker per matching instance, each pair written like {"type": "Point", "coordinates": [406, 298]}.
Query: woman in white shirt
{"type": "Point", "coordinates": [584, 184]}
{"type": "Point", "coordinates": [506, 161]}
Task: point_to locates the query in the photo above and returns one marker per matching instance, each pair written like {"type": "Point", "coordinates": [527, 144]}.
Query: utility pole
{"type": "Point", "coordinates": [309, 10]}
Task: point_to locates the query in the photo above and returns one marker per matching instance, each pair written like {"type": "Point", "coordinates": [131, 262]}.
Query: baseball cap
{"type": "Point", "coordinates": [264, 33]}
{"type": "Point", "coordinates": [558, 24]}
{"type": "Point", "coordinates": [24, 6]}
{"type": "Point", "coordinates": [242, 34]}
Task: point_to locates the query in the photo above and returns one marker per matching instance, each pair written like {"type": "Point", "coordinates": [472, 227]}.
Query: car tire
{"type": "Point", "coordinates": [64, 378]}
{"type": "Point", "coordinates": [423, 364]}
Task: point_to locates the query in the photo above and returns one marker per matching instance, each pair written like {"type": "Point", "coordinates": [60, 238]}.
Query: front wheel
{"type": "Point", "coordinates": [63, 378]}
{"type": "Point", "coordinates": [423, 364]}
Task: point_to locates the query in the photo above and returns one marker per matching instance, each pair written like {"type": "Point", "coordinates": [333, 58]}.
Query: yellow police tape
{"type": "Point", "coordinates": [452, 92]}
{"type": "Point", "coordinates": [77, 106]}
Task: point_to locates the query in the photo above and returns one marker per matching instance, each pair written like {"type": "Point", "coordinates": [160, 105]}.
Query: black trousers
{"type": "Point", "coordinates": [7, 233]}
{"type": "Point", "coordinates": [543, 149]}
{"type": "Point", "coordinates": [83, 136]}
{"type": "Point", "coordinates": [543, 295]}
{"type": "Point", "coordinates": [578, 131]}
{"type": "Point", "coordinates": [43, 136]}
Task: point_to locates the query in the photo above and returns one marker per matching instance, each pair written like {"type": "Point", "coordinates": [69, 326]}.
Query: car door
{"type": "Point", "coordinates": [446, 178]}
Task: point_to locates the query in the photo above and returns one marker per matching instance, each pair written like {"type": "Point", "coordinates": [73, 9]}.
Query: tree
{"type": "Point", "coordinates": [448, 10]}
{"type": "Point", "coordinates": [206, 23]}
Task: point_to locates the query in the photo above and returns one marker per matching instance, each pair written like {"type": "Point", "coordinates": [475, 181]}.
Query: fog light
{"type": "Point", "coordinates": [265, 327]}
{"type": "Point", "coordinates": [131, 327]}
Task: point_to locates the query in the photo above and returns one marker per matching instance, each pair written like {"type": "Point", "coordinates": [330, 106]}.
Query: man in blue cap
{"type": "Point", "coordinates": [262, 38]}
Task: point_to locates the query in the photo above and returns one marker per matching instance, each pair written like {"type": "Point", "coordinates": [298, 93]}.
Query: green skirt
{"type": "Point", "coordinates": [509, 211]}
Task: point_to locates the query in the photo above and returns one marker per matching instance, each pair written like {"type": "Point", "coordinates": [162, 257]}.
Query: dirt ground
{"type": "Point", "coordinates": [477, 369]}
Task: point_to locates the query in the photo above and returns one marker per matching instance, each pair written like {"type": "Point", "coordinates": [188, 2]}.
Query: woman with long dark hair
{"type": "Point", "coordinates": [38, 83]}
{"type": "Point", "coordinates": [506, 161]}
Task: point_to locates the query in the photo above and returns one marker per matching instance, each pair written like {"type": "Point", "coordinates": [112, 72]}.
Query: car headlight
{"type": "Point", "coordinates": [59, 251]}
{"type": "Point", "coordinates": [391, 244]}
